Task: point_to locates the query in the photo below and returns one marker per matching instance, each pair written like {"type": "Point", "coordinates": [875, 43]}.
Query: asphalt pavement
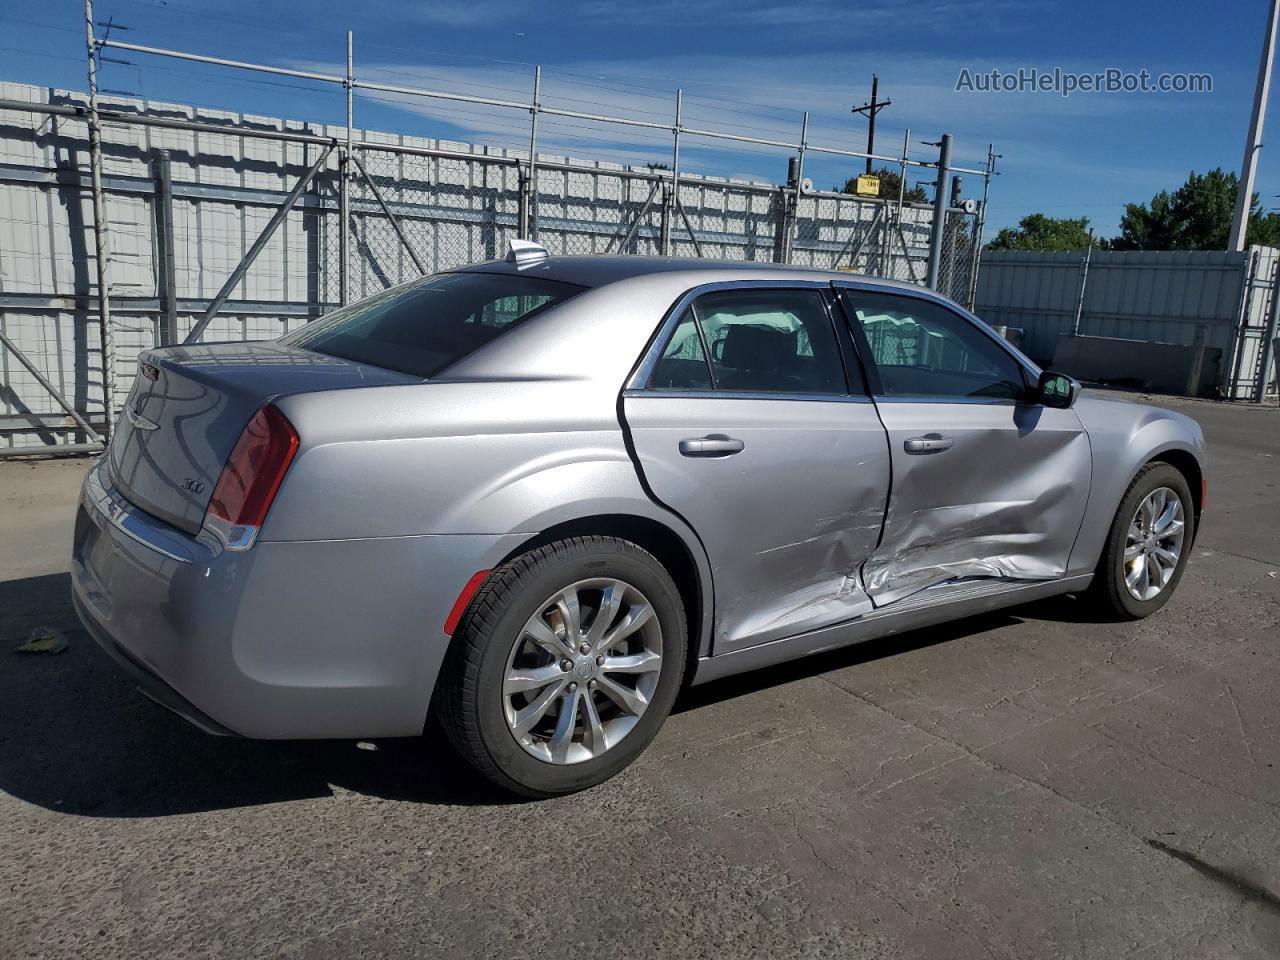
{"type": "Point", "coordinates": [1031, 783]}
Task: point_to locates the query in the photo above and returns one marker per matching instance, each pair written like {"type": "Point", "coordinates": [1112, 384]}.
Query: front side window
{"type": "Point", "coordinates": [922, 349]}
{"type": "Point", "coordinates": [754, 341]}
{"type": "Point", "coordinates": [423, 327]}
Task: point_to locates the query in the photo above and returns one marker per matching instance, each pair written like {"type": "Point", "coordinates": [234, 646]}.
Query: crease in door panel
{"type": "Point", "coordinates": [1003, 539]}
{"type": "Point", "coordinates": [808, 599]}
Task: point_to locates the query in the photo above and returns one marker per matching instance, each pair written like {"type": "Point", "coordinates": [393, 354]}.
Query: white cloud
{"type": "Point", "coordinates": [765, 97]}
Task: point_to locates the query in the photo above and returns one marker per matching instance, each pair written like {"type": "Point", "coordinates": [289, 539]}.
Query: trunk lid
{"type": "Point", "coordinates": [189, 406]}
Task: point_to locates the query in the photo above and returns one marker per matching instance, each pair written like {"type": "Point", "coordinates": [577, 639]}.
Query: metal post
{"type": "Point", "coordinates": [166, 284]}
{"type": "Point", "coordinates": [1248, 282]}
{"type": "Point", "coordinates": [395, 224]}
{"type": "Point", "coordinates": [635, 224]}
{"type": "Point", "coordinates": [1084, 283]}
{"type": "Point", "coordinates": [937, 231]}
{"type": "Point", "coordinates": [1268, 334]}
{"type": "Point", "coordinates": [344, 195]}
{"type": "Point", "coordinates": [101, 246]}
{"type": "Point", "coordinates": [886, 269]}
{"type": "Point", "coordinates": [664, 221]}
{"type": "Point", "coordinates": [531, 205]}
{"type": "Point", "coordinates": [871, 119]}
{"type": "Point", "coordinates": [263, 238]}
{"type": "Point", "coordinates": [981, 225]}
{"type": "Point", "coordinates": [674, 200]}
{"type": "Point", "coordinates": [693, 237]}
{"type": "Point", "coordinates": [795, 200]}
{"type": "Point", "coordinates": [902, 172]}
{"type": "Point", "coordinates": [1253, 145]}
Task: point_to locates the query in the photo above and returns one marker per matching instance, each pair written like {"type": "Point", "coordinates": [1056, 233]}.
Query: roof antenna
{"type": "Point", "coordinates": [526, 253]}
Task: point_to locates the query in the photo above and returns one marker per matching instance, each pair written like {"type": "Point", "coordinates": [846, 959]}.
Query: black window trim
{"type": "Point", "coordinates": [1030, 373]}
{"type": "Point", "coordinates": [639, 382]}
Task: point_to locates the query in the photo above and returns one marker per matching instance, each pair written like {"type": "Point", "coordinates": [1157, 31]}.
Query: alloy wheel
{"type": "Point", "coordinates": [582, 671]}
{"type": "Point", "coordinates": [1153, 544]}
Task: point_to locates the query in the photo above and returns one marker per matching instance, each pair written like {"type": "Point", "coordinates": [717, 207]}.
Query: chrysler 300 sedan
{"type": "Point", "coordinates": [532, 498]}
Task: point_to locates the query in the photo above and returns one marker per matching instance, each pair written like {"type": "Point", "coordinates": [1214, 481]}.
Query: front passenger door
{"type": "Point", "coordinates": [986, 484]}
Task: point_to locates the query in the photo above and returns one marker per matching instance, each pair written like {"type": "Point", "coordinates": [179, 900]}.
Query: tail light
{"type": "Point", "coordinates": [252, 475]}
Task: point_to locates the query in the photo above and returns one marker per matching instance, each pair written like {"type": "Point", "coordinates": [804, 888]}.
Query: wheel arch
{"type": "Point", "coordinates": [1186, 463]}
{"type": "Point", "coordinates": [688, 569]}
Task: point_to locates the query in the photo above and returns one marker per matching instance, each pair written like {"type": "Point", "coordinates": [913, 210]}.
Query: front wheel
{"type": "Point", "coordinates": [566, 664]}
{"type": "Point", "coordinates": [1148, 545]}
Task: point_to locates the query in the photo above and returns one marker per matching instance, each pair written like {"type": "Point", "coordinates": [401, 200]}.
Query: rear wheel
{"type": "Point", "coordinates": [1148, 545]}
{"type": "Point", "coordinates": [564, 667]}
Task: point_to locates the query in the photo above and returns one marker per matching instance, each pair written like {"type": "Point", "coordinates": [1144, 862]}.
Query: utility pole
{"type": "Point", "coordinates": [1252, 146]}
{"type": "Point", "coordinates": [937, 230]}
{"type": "Point", "coordinates": [869, 110]}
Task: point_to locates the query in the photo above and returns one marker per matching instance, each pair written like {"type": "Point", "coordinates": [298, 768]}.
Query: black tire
{"type": "Point", "coordinates": [469, 699]}
{"type": "Point", "coordinates": [1108, 588]}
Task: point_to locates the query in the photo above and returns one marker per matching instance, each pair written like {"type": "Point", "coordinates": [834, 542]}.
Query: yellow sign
{"type": "Point", "coordinates": [868, 186]}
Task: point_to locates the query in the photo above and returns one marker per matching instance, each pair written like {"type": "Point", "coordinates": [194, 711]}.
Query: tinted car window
{"type": "Point", "coordinates": [922, 349]}
{"type": "Point", "coordinates": [759, 340]}
{"type": "Point", "coordinates": [423, 327]}
{"type": "Point", "coordinates": [683, 365]}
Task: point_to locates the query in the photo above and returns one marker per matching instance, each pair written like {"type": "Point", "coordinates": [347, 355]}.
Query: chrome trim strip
{"type": "Point", "coordinates": [886, 399]}
{"type": "Point", "coordinates": [116, 511]}
{"type": "Point", "coordinates": [671, 393]}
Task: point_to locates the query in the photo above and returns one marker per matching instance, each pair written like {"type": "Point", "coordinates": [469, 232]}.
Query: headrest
{"type": "Point", "coordinates": [756, 348]}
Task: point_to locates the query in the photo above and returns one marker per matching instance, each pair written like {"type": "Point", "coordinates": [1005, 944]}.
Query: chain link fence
{"type": "Point", "coordinates": [206, 233]}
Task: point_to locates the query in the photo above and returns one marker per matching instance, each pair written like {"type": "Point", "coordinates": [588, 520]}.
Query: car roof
{"type": "Point", "coordinates": [599, 271]}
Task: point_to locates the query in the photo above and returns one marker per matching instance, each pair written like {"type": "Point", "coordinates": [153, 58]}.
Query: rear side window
{"type": "Point", "coordinates": [754, 340]}
{"type": "Point", "coordinates": [421, 328]}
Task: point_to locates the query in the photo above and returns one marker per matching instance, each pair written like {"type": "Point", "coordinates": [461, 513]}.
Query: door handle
{"type": "Point", "coordinates": [929, 443]}
{"type": "Point", "coordinates": [712, 445]}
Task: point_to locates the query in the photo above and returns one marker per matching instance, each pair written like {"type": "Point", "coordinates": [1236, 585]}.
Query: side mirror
{"type": "Point", "coordinates": [1057, 390]}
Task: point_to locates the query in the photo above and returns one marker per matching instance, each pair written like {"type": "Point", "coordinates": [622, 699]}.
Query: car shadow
{"type": "Point", "coordinates": [77, 737]}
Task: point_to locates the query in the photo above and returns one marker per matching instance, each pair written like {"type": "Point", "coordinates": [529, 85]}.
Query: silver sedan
{"type": "Point", "coordinates": [536, 497]}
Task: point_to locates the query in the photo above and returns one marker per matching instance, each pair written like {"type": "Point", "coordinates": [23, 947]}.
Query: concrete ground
{"type": "Point", "coordinates": [1026, 784]}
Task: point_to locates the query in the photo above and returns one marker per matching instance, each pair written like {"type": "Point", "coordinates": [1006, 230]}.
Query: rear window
{"type": "Point", "coordinates": [423, 327]}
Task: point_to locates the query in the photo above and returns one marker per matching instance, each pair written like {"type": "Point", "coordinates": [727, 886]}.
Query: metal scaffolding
{"type": "Point", "coordinates": [368, 199]}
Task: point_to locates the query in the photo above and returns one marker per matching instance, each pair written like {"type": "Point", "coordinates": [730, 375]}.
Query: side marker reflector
{"type": "Point", "coordinates": [464, 599]}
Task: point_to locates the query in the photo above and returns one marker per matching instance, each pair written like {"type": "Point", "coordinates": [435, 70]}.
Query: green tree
{"type": "Point", "coordinates": [1038, 232]}
{"type": "Point", "coordinates": [889, 180]}
{"type": "Point", "coordinates": [1196, 216]}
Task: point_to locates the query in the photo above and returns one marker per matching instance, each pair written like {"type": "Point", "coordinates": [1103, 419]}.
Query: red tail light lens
{"type": "Point", "coordinates": [255, 469]}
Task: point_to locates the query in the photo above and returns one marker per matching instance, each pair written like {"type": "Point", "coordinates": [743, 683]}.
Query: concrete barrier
{"type": "Point", "coordinates": [1189, 371]}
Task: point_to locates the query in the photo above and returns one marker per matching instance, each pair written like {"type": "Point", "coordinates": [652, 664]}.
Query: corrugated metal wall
{"type": "Point", "coordinates": [1181, 297]}
{"type": "Point", "coordinates": [226, 187]}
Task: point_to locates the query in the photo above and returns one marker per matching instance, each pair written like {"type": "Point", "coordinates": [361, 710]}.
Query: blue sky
{"type": "Point", "coordinates": [748, 66]}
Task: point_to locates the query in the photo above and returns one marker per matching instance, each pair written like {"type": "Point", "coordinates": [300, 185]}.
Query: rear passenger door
{"type": "Point", "coordinates": [745, 424]}
{"type": "Point", "coordinates": [986, 482]}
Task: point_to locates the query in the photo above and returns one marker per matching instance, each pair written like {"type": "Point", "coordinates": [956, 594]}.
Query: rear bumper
{"type": "Point", "coordinates": [299, 639]}
{"type": "Point", "coordinates": [147, 682]}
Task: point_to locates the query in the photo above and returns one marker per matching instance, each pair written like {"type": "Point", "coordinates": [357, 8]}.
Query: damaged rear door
{"type": "Point", "coordinates": [743, 422]}
{"type": "Point", "coordinates": [985, 483]}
